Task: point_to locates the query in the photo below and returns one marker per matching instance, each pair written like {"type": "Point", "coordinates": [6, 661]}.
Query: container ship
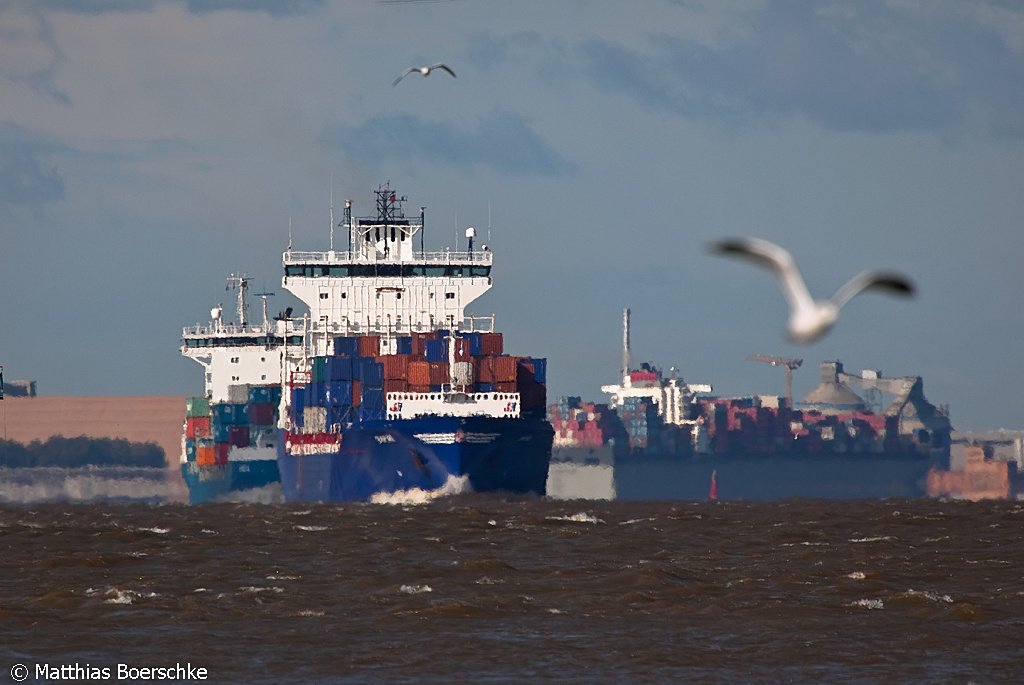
{"type": "Point", "coordinates": [231, 432]}
{"type": "Point", "coordinates": [667, 439]}
{"type": "Point", "coordinates": [393, 387]}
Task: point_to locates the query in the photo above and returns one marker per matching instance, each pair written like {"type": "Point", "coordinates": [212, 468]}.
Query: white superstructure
{"type": "Point", "coordinates": [236, 355]}
{"type": "Point", "coordinates": [382, 284]}
{"type": "Point", "coordinates": [671, 395]}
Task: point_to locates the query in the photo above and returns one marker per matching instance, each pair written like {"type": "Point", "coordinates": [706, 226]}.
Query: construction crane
{"type": "Point", "coordinates": [789, 363]}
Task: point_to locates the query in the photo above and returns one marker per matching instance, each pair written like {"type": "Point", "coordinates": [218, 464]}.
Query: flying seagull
{"type": "Point", "coordinates": [424, 71]}
{"type": "Point", "coordinates": [809, 319]}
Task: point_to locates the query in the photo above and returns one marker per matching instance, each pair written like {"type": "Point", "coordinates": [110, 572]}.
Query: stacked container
{"type": "Point", "coordinates": [351, 385]}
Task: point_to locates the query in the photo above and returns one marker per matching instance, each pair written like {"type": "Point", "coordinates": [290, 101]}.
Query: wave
{"type": "Point", "coordinates": [85, 484]}
{"type": "Point", "coordinates": [455, 485]}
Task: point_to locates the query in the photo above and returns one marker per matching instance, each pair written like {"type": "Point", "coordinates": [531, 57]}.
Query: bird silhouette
{"type": "Point", "coordinates": [423, 71]}
{"type": "Point", "coordinates": [809, 319]}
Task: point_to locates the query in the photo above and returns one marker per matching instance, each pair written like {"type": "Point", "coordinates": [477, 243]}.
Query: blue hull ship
{"type": "Point", "coordinates": [480, 454]}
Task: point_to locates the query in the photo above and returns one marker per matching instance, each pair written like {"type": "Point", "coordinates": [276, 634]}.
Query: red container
{"type": "Point", "coordinates": [419, 373]}
{"type": "Point", "coordinates": [396, 366]}
{"type": "Point", "coordinates": [260, 414]}
{"type": "Point", "coordinates": [439, 373]}
{"type": "Point", "coordinates": [239, 436]}
{"type": "Point", "coordinates": [395, 385]}
{"type": "Point", "coordinates": [462, 350]}
{"type": "Point", "coordinates": [369, 345]}
{"type": "Point", "coordinates": [357, 392]}
{"type": "Point", "coordinates": [220, 452]}
{"type": "Point", "coordinates": [197, 427]}
{"type": "Point", "coordinates": [491, 344]}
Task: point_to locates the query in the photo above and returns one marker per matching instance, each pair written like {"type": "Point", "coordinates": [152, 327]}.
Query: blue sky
{"type": "Point", "coordinates": [149, 148]}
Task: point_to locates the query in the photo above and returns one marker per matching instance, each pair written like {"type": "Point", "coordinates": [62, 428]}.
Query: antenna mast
{"type": "Point", "coordinates": [625, 342]}
{"type": "Point", "coordinates": [240, 282]}
{"type": "Point", "coordinates": [332, 212]}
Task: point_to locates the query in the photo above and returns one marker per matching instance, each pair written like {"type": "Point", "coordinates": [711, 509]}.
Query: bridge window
{"type": "Point", "coordinates": [449, 296]}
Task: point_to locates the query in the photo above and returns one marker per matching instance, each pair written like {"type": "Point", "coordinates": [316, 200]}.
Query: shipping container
{"type": "Point", "coordinates": [370, 373]}
{"type": "Point", "coordinates": [369, 345]}
{"type": "Point", "coordinates": [338, 394]}
{"type": "Point", "coordinates": [396, 366]}
{"type": "Point", "coordinates": [239, 436]}
{"type": "Point", "coordinates": [346, 346]}
{"type": "Point", "coordinates": [227, 413]}
{"type": "Point", "coordinates": [419, 373]}
{"type": "Point", "coordinates": [221, 450]}
{"type": "Point", "coordinates": [403, 345]}
{"type": "Point", "coordinates": [197, 426]}
{"type": "Point", "coordinates": [264, 394]}
{"type": "Point", "coordinates": [197, 406]}
{"type": "Point", "coordinates": [205, 455]}
{"type": "Point", "coordinates": [261, 414]}
{"type": "Point", "coordinates": [339, 369]}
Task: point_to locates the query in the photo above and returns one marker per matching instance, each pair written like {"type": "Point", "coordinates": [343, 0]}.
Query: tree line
{"type": "Point", "coordinates": [81, 451]}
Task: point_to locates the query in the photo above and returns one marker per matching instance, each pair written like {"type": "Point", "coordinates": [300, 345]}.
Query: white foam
{"type": "Point", "coordinates": [312, 529]}
{"type": "Point", "coordinates": [856, 575]}
{"type": "Point", "coordinates": [931, 596]}
{"type": "Point", "coordinates": [415, 589]}
{"type": "Point", "coordinates": [576, 518]}
{"type": "Point", "coordinates": [879, 538]}
{"type": "Point", "coordinates": [868, 604]}
{"type": "Point", "coordinates": [455, 485]}
{"type": "Point", "coordinates": [268, 494]}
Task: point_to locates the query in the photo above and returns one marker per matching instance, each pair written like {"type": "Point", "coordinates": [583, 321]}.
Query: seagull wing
{"type": "Point", "coordinates": [891, 283]}
{"type": "Point", "coordinates": [445, 67]}
{"type": "Point", "coordinates": [404, 74]}
{"type": "Point", "coordinates": [777, 259]}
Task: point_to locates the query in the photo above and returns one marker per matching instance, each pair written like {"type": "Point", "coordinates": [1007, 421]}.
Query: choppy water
{"type": "Point", "coordinates": [475, 588]}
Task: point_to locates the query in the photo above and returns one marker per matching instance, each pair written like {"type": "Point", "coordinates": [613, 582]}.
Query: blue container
{"type": "Point", "coordinates": [263, 394]}
{"type": "Point", "coordinates": [338, 394]}
{"type": "Point", "coordinates": [436, 350]}
{"type": "Point", "coordinates": [339, 416]}
{"type": "Point", "coordinates": [190, 449]}
{"type": "Point", "coordinates": [371, 373]}
{"type": "Point", "coordinates": [540, 369]}
{"type": "Point", "coordinates": [222, 432]}
{"type": "Point", "coordinates": [485, 387]}
{"type": "Point", "coordinates": [369, 414]}
{"type": "Point", "coordinates": [339, 369]}
{"type": "Point", "coordinates": [476, 346]}
{"type": "Point", "coordinates": [348, 347]}
{"type": "Point", "coordinates": [229, 414]}
{"type": "Point", "coordinates": [373, 398]}
{"type": "Point", "coordinates": [315, 394]}
{"type": "Point", "coordinates": [404, 345]}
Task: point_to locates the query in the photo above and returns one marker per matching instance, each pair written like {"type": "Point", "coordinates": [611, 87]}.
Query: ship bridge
{"type": "Point", "coordinates": [382, 284]}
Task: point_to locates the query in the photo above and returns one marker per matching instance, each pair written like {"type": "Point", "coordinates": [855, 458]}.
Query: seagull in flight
{"type": "Point", "coordinates": [423, 71]}
{"type": "Point", "coordinates": [809, 319]}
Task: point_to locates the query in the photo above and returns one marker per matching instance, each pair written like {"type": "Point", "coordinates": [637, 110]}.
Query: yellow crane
{"type": "Point", "coordinates": [787, 362]}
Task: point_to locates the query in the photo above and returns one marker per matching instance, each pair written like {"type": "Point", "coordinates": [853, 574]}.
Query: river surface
{"type": "Point", "coordinates": [488, 588]}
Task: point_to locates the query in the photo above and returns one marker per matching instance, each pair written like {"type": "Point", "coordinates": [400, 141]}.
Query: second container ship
{"type": "Point", "coordinates": [666, 439]}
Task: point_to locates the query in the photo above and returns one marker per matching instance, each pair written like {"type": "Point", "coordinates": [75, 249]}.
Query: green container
{"type": "Point", "coordinates": [197, 406]}
{"type": "Point", "coordinates": [320, 370]}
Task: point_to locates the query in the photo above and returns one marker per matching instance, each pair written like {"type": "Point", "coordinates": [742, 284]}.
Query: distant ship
{"type": "Point", "coordinates": [231, 434]}
{"type": "Point", "coordinates": [666, 439]}
{"type": "Point", "coordinates": [394, 388]}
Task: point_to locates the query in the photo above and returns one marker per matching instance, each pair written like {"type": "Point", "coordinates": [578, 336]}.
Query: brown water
{"type": "Point", "coordinates": [489, 589]}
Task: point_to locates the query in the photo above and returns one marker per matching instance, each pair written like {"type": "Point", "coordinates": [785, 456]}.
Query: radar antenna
{"type": "Point", "coordinates": [240, 282]}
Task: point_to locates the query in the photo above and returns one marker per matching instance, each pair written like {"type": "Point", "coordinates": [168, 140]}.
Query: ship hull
{"type": "Point", "coordinates": [384, 457]}
{"type": "Point", "coordinates": [763, 478]}
{"type": "Point", "coordinates": [219, 482]}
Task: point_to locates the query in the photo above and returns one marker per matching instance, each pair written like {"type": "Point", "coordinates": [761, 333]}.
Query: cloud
{"type": "Point", "coordinates": [26, 179]}
{"type": "Point", "coordinates": [502, 141]}
{"type": "Point", "coordinates": [273, 7]}
{"type": "Point", "coordinates": [867, 66]}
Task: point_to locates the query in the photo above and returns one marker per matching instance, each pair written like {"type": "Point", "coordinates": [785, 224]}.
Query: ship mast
{"type": "Point", "coordinates": [625, 342]}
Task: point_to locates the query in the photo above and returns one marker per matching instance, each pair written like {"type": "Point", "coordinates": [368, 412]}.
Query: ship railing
{"type": "Point", "coordinates": [348, 327]}
{"type": "Point", "coordinates": [206, 330]}
{"type": "Point", "coordinates": [484, 257]}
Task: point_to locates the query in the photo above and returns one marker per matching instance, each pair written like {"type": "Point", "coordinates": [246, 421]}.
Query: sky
{"type": "Point", "coordinates": [149, 148]}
